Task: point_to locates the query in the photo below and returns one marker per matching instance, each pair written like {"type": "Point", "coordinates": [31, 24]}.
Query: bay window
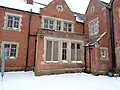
{"type": "Point", "coordinates": [63, 51]}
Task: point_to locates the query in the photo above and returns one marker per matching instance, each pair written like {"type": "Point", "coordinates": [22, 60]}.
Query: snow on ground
{"type": "Point", "coordinates": [77, 81]}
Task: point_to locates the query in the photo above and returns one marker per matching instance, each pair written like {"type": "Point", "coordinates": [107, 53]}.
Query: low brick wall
{"type": "Point", "coordinates": [58, 71]}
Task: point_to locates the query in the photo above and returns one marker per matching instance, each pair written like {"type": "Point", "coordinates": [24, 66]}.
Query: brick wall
{"type": "Point", "coordinates": [116, 7]}
{"type": "Point", "coordinates": [20, 37]}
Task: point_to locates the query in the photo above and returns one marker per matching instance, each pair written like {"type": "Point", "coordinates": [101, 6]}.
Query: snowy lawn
{"type": "Point", "coordinates": [77, 81]}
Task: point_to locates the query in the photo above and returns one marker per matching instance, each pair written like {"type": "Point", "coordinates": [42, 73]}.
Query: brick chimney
{"type": "Point", "coordinates": [29, 1]}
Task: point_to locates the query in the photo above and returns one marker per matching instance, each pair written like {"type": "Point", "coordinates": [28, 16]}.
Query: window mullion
{"type": "Point", "coordinates": [76, 52]}
{"type": "Point", "coordinates": [13, 21]}
{"type": "Point", "coordinates": [10, 50]}
{"type": "Point", "coordinates": [67, 27]}
{"type": "Point", "coordinates": [55, 25]}
{"type": "Point", "coordinates": [62, 25]}
{"type": "Point", "coordinates": [48, 23]}
{"type": "Point", "coordinates": [52, 51]}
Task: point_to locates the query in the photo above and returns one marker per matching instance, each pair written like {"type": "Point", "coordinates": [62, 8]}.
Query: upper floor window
{"type": "Point", "coordinates": [94, 27]}
{"type": "Point", "coordinates": [12, 22]}
{"type": "Point", "coordinates": [49, 24]}
{"type": "Point", "coordinates": [67, 27]}
{"type": "Point", "coordinates": [57, 24]}
{"type": "Point", "coordinates": [11, 49]}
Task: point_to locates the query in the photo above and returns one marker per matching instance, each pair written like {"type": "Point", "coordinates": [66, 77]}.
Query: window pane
{"type": "Point", "coordinates": [13, 50]}
{"type": "Point", "coordinates": [13, 46]}
{"type": "Point", "coordinates": [64, 51]}
{"type": "Point", "coordinates": [10, 21]}
{"type": "Point", "coordinates": [51, 26]}
{"type": "Point", "coordinates": [69, 27]}
{"type": "Point", "coordinates": [55, 51]}
{"type": "Point", "coordinates": [72, 51]}
{"type": "Point", "coordinates": [58, 25]}
{"type": "Point", "coordinates": [104, 52]}
{"type": "Point", "coordinates": [78, 46]}
{"type": "Point", "coordinates": [79, 54]}
{"type": "Point", "coordinates": [64, 54]}
{"type": "Point", "coordinates": [7, 49]}
{"type": "Point", "coordinates": [16, 22]}
{"type": "Point", "coordinates": [72, 45]}
{"type": "Point", "coordinates": [45, 23]}
{"type": "Point", "coordinates": [64, 45]}
{"type": "Point", "coordinates": [65, 26]}
{"type": "Point", "coordinates": [48, 50]}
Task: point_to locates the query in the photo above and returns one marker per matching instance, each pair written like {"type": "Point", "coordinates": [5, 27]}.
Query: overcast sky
{"type": "Point", "coordinates": [75, 5]}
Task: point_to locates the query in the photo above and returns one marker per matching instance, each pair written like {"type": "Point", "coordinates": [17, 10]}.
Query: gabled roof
{"type": "Point", "coordinates": [36, 6]}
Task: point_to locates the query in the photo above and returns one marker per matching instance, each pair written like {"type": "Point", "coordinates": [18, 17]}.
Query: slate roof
{"type": "Point", "coordinates": [79, 17]}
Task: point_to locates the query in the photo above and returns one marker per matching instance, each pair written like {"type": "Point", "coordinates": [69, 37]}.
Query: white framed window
{"type": "Point", "coordinates": [11, 49]}
{"type": "Point", "coordinates": [57, 24]}
{"type": "Point", "coordinates": [48, 23]}
{"type": "Point", "coordinates": [12, 21]}
{"type": "Point", "coordinates": [51, 51]}
{"type": "Point", "coordinates": [104, 52]}
{"type": "Point", "coordinates": [67, 27]}
{"type": "Point", "coordinates": [63, 50]}
{"type": "Point", "coordinates": [76, 52]}
{"type": "Point", "coordinates": [94, 27]}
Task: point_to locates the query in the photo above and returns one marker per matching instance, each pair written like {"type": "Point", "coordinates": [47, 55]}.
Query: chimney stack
{"type": "Point", "coordinates": [29, 1]}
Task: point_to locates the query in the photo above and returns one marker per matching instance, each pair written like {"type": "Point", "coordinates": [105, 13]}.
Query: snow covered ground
{"type": "Point", "coordinates": [77, 81]}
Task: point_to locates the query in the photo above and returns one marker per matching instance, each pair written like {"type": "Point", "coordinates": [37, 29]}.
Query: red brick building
{"type": "Point", "coordinates": [60, 40]}
{"type": "Point", "coordinates": [97, 28]}
{"type": "Point", "coordinates": [116, 16]}
{"type": "Point", "coordinates": [53, 39]}
{"type": "Point", "coordinates": [14, 27]}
